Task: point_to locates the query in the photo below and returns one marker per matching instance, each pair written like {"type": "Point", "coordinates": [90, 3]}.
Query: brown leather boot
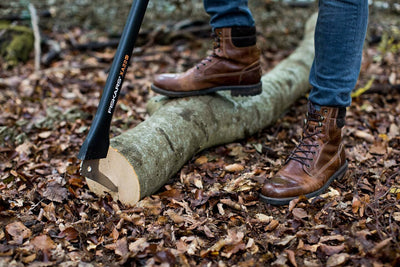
{"type": "Point", "coordinates": [317, 160]}
{"type": "Point", "coordinates": [234, 65]}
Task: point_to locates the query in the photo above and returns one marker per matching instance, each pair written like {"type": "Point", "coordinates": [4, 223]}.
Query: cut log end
{"type": "Point", "coordinates": [116, 169]}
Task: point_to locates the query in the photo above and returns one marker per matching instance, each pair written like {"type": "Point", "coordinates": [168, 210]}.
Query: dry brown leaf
{"type": "Point", "coordinates": [381, 245]}
{"type": "Point", "coordinates": [45, 134]}
{"type": "Point", "coordinates": [43, 242]}
{"type": "Point", "coordinates": [232, 249]}
{"type": "Point", "coordinates": [236, 167]}
{"type": "Point", "coordinates": [293, 203]}
{"type": "Point", "coordinates": [29, 259]}
{"type": "Point", "coordinates": [121, 247]}
{"type": "Point", "coordinates": [379, 148]}
{"type": "Point", "coordinates": [285, 240]}
{"type": "Point", "coordinates": [25, 148]}
{"type": "Point", "coordinates": [337, 259]}
{"type": "Point", "coordinates": [139, 245]}
{"type": "Point", "coordinates": [356, 203]}
{"type": "Point", "coordinates": [364, 135]}
{"type": "Point", "coordinates": [201, 160]}
{"type": "Point", "coordinates": [114, 234]}
{"type": "Point", "coordinates": [230, 203]}
{"type": "Point", "coordinates": [394, 131]}
{"type": "Point", "coordinates": [233, 237]}
{"type": "Point", "coordinates": [299, 213]}
{"type": "Point", "coordinates": [264, 218]}
{"type": "Point", "coordinates": [332, 237]}
{"type": "Point", "coordinates": [175, 217]}
{"type": "Point", "coordinates": [272, 225]}
{"type": "Point", "coordinates": [151, 206]}
{"type": "Point", "coordinates": [55, 192]}
{"type": "Point", "coordinates": [208, 232]}
{"type": "Point", "coordinates": [18, 231]}
{"type": "Point", "coordinates": [330, 250]}
{"type": "Point", "coordinates": [291, 257]}
{"type": "Point", "coordinates": [70, 234]}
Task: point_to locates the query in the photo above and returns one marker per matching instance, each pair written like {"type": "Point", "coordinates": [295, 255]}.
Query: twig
{"type": "Point", "coordinates": [36, 34]}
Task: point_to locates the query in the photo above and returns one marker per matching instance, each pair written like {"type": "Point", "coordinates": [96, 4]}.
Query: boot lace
{"type": "Point", "coordinates": [303, 151]}
{"type": "Point", "coordinates": [216, 45]}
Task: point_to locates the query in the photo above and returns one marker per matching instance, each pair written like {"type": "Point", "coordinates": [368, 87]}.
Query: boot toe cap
{"type": "Point", "coordinates": [280, 187]}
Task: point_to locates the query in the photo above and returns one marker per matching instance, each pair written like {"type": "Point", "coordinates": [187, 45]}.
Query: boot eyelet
{"type": "Point", "coordinates": [320, 124]}
{"type": "Point", "coordinates": [325, 111]}
{"type": "Point", "coordinates": [321, 118]}
{"type": "Point", "coordinates": [308, 166]}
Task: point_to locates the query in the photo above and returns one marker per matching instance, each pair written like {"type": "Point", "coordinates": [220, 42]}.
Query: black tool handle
{"type": "Point", "coordinates": [98, 140]}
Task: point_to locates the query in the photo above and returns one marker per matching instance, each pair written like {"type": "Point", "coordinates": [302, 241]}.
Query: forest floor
{"type": "Point", "coordinates": [209, 214]}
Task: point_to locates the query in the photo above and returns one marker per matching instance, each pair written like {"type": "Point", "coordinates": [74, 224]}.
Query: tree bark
{"type": "Point", "coordinates": [141, 160]}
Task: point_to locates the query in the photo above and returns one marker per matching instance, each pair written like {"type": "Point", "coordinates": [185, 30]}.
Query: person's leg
{"type": "Point", "coordinates": [339, 38]}
{"type": "Point", "coordinates": [228, 13]}
{"type": "Point", "coordinates": [234, 64]}
{"type": "Point", "coordinates": [319, 158]}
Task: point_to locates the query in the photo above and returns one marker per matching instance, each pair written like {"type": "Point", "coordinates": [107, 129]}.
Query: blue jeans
{"type": "Point", "coordinates": [339, 38]}
{"type": "Point", "coordinates": [228, 13]}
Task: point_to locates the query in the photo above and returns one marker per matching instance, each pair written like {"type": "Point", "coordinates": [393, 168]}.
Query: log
{"type": "Point", "coordinates": [141, 160]}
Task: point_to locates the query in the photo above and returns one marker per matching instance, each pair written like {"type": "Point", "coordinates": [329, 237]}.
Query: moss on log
{"type": "Point", "coordinates": [16, 43]}
{"type": "Point", "coordinates": [141, 160]}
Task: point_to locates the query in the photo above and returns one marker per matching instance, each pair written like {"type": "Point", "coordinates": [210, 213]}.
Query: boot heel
{"type": "Point", "coordinates": [247, 90]}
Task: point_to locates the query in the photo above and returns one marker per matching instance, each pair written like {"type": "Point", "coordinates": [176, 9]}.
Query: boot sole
{"type": "Point", "coordinates": [238, 90]}
{"type": "Point", "coordinates": [284, 201]}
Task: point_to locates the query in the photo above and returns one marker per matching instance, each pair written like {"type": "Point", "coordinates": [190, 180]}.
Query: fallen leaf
{"type": "Point", "coordinates": [139, 245]}
{"type": "Point", "coordinates": [263, 218]}
{"type": "Point", "coordinates": [175, 217]}
{"type": "Point", "coordinates": [45, 134]}
{"type": "Point", "coordinates": [24, 148]}
{"type": "Point", "coordinates": [381, 245]}
{"type": "Point", "coordinates": [18, 231]}
{"type": "Point", "coordinates": [337, 259]}
{"type": "Point", "coordinates": [356, 204]}
{"type": "Point", "coordinates": [55, 192]}
{"type": "Point", "coordinates": [236, 167]}
{"type": "Point", "coordinates": [281, 260]}
{"type": "Point", "coordinates": [230, 203]}
{"type": "Point", "coordinates": [291, 257]}
{"type": "Point", "coordinates": [299, 213]}
{"type": "Point", "coordinates": [330, 250]}
{"type": "Point", "coordinates": [293, 203]}
{"type": "Point", "coordinates": [285, 240]}
{"type": "Point", "coordinates": [272, 225]}
{"type": "Point", "coordinates": [166, 256]}
{"type": "Point", "coordinates": [70, 234]}
{"type": "Point", "coordinates": [378, 148]}
{"type": "Point", "coordinates": [29, 259]}
{"type": "Point", "coordinates": [201, 160]}
{"type": "Point", "coordinates": [232, 249]}
{"type": "Point", "coordinates": [121, 247]}
{"type": "Point", "coordinates": [43, 242]}
{"type": "Point", "coordinates": [331, 193]}
{"type": "Point", "coordinates": [364, 135]}
{"type": "Point", "coordinates": [331, 237]}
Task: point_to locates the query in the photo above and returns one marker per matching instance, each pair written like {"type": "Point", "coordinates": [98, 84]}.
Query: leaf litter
{"type": "Point", "coordinates": [210, 213]}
